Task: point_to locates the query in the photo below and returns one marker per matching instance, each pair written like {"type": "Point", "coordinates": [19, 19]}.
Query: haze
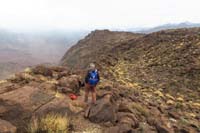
{"type": "Point", "coordinates": [92, 14]}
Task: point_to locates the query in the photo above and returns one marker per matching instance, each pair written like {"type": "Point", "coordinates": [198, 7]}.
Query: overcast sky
{"type": "Point", "coordinates": [92, 14]}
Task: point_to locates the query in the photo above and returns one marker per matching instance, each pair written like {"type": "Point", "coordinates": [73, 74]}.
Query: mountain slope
{"type": "Point", "coordinates": [44, 92]}
{"type": "Point", "coordinates": [166, 59]}
{"type": "Point", "coordinates": [92, 46]}
{"type": "Point", "coordinates": [131, 96]}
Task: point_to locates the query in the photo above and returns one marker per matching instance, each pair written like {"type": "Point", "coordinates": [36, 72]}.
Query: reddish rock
{"type": "Point", "coordinates": [162, 128]}
{"type": "Point", "coordinates": [71, 82]}
{"type": "Point", "coordinates": [103, 111]}
{"type": "Point", "coordinates": [7, 127]}
{"type": "Point", "coordinates": [123, 107]}
{"type": "Point", "coordinates": [127, 118]}
{"type": "Point", "coordinates": [114, 129]}
{"type": "Point", "coordinates": [174, 115]}
{"type": "Point", "coordinates": [43, 70]}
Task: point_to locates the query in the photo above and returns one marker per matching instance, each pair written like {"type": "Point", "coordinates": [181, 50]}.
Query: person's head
{"type": "Point", "coordinates": [91, 66]}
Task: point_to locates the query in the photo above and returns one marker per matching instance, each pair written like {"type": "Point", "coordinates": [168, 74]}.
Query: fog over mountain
{"type": "Point", "coordinates": [21, 49]}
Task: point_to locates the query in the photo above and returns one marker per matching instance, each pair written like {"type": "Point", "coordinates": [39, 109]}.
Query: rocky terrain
{"type": "Point", "coordinates": [166, 59]}
{"type": "Point", "coordinates": [30, 95]}
{"type": "Point", "coordinates": [149, 83]}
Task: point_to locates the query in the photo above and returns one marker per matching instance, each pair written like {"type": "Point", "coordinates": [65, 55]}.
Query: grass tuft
{"type": "Point", "coordinates": [50, 123]}
{"type": "Point", "coordinates": [143, 111]}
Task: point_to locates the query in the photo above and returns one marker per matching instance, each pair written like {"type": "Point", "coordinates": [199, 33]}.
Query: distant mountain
{"type": "Point", "coordinates": [18, 50]}
{"type": "Point", "coordinates": [169, 26]}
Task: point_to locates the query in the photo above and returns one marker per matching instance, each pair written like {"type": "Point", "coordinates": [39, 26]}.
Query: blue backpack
{"type": "Point", "coordinates": [93, 77]}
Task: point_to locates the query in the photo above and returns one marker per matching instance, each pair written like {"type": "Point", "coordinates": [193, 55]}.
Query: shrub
{"type": "Point", "coordinates": [50, 123]}
{"type": "Point", "coordinates": [143, 111]}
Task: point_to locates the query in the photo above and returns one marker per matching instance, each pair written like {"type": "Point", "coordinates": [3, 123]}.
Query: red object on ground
{"type": "Point", "coordinates": [73, 96]}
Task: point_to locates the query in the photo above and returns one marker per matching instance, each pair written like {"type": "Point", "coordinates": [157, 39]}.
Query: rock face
{"type": "Point", "coordinates": [7, 127]}
{"type": "Point", "coordinates": [32, 94]}
{"type": "Point", "coordinates": [103, 111]}
{"type": "Point", "coordinates": [71, 83]}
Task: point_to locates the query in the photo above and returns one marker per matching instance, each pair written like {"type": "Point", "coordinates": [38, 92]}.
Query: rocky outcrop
{"type": "Point", "coordinates": [29, 96]}
{"type": "Point", "coordinates": [103, 111]}
{"type": "Point", "coordinates": [34, 93]}
{"type": "Point", "coordinates": [7, 127]}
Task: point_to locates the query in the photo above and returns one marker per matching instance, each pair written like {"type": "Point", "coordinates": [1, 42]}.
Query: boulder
{"type": "Point", "coordinates": [162, 128]}
{"type": "Point", "coordinates": [43, 70]}
{"type": "Point", "coordinates": [71, 82]}
{"type": "Point", "coordinates": [127, 118]}
{"type": "Point", "coordinates": [103, 111]}
{"type": "Point", "coordinates": [174, 114]}
{"type": "Point", "coordinates": [7, 127]}
{"type": "Point", "coordinates": [123, 107]}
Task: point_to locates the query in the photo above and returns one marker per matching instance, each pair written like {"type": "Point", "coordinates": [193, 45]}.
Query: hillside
{"type": "Point", "coordinates": [166, 59]}
{"type": "Point", "coordinates": [38, 100]}
{"type": "Point", "coordinates": [92, 46]}
{"type": "Point", "coordinates": [149, 83]}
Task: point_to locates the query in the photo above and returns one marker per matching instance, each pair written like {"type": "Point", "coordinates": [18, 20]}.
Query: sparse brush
{"type": "Point", "coordinates": [50, 123]}
{"type": "Point", "coordinates": [140, 109]}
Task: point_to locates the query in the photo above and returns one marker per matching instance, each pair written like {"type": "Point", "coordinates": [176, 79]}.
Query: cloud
{"type": "Point", "coordinates": [90, 14]}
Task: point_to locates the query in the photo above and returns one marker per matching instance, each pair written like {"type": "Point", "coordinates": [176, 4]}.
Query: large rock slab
{"type": "Point", "coordinates": [29, 98]}
{"type": "Point", "coordinates": [18, 105]}
{"type": "Point", "coordinates": [43, 70]}
{"type": "Point", "coordinates": [7, 127]}
{"type": "Point", "coordinates": [103, 111]}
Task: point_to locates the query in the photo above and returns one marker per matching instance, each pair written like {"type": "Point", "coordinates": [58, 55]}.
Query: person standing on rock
{"type": "Point", "coordinates": [91, 80]}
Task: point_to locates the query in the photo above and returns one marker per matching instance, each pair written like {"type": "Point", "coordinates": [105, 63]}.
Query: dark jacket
{"type": "Point", "coordinates": [88, 76]}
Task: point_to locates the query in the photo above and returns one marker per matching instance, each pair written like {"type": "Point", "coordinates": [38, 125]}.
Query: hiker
{"type": "Point", "coordinates": [91, 80]}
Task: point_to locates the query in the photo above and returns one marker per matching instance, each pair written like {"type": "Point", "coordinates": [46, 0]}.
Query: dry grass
{"type": "Point", "coordinates": [50, 123]}
{"type": "Point", "coordinates": [143, 111]}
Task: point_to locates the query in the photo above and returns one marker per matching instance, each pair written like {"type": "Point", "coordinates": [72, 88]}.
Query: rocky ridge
{"type": "Point", "coordinates": [166, 59]}
{"type": "Point", "coordinates": [146, 86]}
{"type": "Point", "coordinates": [93, 45]}
{"type": "Point", "coordinates": [119, 108]}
